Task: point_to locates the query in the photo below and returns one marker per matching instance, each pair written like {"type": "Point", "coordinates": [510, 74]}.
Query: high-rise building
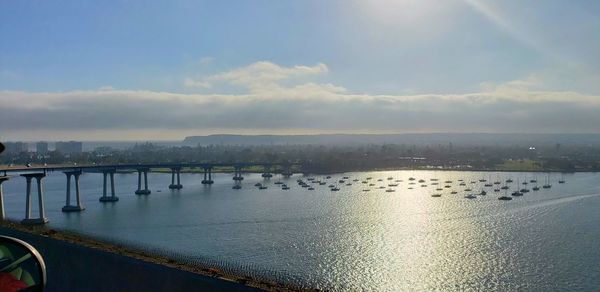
{"type": "Point", "coordinates": [16, 147]}
{"type": "Point", "coordinates": [69, 147]}
{"type": "Point", "coordinates": [41, 147]}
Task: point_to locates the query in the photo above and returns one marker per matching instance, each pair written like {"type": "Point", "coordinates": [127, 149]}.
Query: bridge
{"type": "Point", "coordinates": [72, 173]}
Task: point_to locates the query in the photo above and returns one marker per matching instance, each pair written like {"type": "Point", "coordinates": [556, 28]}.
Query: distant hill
{"type": "Point", "coordinates": [410, 139]}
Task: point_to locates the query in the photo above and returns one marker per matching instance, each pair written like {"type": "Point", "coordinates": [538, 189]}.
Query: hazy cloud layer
{"type": "Point", "coordinates": [511, 107]}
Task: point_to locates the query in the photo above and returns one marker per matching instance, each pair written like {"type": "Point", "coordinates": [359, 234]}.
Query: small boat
{"type": "Point", "coordinates": [366, 190]}
{"type": "Point", "coordinates": [335, 189]}
{"type": "Point", "coordinates": [509, 180]}
{"type": "Point", "coordinates": [411, 178]}
{"type": "Point", "coordinates": [496, 182]}
{"type": "Point", "coordinates": [488, 185]}
{"type": "Point", "coordinates": [355, 180]}
{"type": "Point", "coordinates": [311, 189]}
{"type": "Point", "coordinates": [471, 196]}
{"type": "Point", "coordinates": [262, 187]}
{"type": "Point", "coordinates": [536, 188]}
{"type": "Point", "coordinates": [410, 188]}
{"type": "Point", "coordinates": [462, 184]}
{"type": "Point", "coordinates": [341, 181]}
{"type": "Point", "coordinates": [322, 183]}
{"type": "Point", "coordinates": [547, 185]}
{"type": "Point", "coordinates": [504, 198]}
{"type": "Point", "coordinates": [285, 188]}
{"type": "Point", "coordinates": [332, 186]}
{"type": "Point", "coordinates": [447, 187]}
{"type": "Point", "coordinates": [257, 184]}
{"type": "Point", "coordinates": [389, 191]}
{"type": "Point", "coordinates": [345, 177]}
{"type": "Point", "coordinates": [467, 190]}
{"type": "Point", "coordinates": [436, 195]}
{"type": "Point", "coordinates": [278, 183]}
{"type": "Point", "coordinates": [371, 185]}
{"type": "Point", "coordinates": [483, 193]}
{"type": "Point", "coordinates": [524, 190]}
{"type": "Point", "coordinates": [381, 187]}
{"type": "Point", "coordinates": [390, 178]}
{"type": "Point", "coordinates": [516, 194]}
{"type": "Point", "coordinates": [328, 177]}
{"type": "Point", "coordinates": [348, 184]}
{"type": "Point", "coordinates": [504, 187]}
{"type": "Point", "coordinates": [496, 190]}
{"type": "Point", "coordinates": [454, 192]}
{"type": "Point", "coordinates": [423, 186]}
{"type": "Point", "coordinates": [421, 180]}
{"type": "Point", "coordinates": [364, 182]}
{"type": "Point", "coordinates": [448, 182]}
{"type": "Point", "coordinates": [380, 179]}
{"type": "Point", "coordinates": [392, 185]}
{"type": "Point", "coordinates": [236, 187]}
{"type": "Point", "coordinates": [439, 189]}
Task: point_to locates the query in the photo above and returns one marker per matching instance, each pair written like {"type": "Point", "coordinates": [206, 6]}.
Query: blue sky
{"type": "Point", "coordinates": [380, 52]}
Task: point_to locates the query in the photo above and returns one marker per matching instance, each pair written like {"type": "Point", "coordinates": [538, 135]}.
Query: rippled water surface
{"type": "Point", "coordinates": [351, 239]}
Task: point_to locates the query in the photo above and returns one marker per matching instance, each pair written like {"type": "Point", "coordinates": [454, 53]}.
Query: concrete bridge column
{"type": "Point", "coordinates": [238, 174]}
{"type": "Point", "coordinates": [175, 171]}
{"type": "Point", "coordinates": [42, 214]}
{"type": "Point", "coordinates": [207, 176]}
{"type": "Point", "coordinates": [109, 173]}
{"type": "Point", "coordinates": [68, 207]}
{"type": "Point", "coordinates": [139, 190]}
{"type": "Point", "coordinates": [2, 214]}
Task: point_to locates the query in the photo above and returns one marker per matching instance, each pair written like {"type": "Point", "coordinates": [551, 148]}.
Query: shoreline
{"type": "Point", "coordinates": [146, 256]}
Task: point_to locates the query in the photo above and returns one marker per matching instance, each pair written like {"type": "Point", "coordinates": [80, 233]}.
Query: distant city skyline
{"type": "Point", "coordinates": [163, 70]}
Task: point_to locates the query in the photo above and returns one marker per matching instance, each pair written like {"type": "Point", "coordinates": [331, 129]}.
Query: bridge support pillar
{"type": "Point", "coordinates": [2, 214]}
{"type": "Point", "coordinates": [68, 207]}
{"type": "Point", "coordinates": [207, 176]}
{"type": "Point", "coordinates": [112, 198]}
{"type": "Point", "coordinates": [237, 176]}
{"type": "Point", "coordinates": [139, 190]}
{"type": "Point", "coordinates": [175, 171]}
{"type": "Point", "coordinates": [42, 214]}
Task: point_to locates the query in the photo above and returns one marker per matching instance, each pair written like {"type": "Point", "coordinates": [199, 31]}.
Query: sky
{"type": "Point", "coordinates": [163, 70]}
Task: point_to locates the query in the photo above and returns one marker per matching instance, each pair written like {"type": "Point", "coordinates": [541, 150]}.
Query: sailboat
{"type": "Point", "coordinates": [547, 185]}
{"type": "Point", "coordinates": [562, 178]}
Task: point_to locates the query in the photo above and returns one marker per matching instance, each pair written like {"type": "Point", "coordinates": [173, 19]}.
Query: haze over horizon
{"type": "Point", "coordinates": [133, 70]}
